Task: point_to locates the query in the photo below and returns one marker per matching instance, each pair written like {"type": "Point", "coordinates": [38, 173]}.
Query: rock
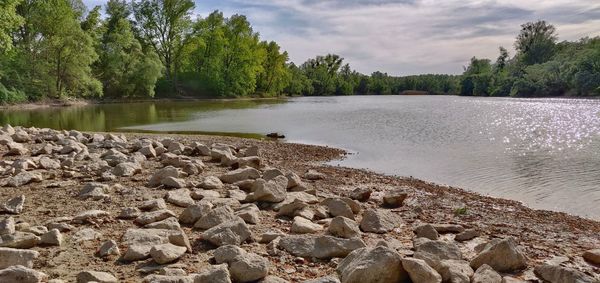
{"type": "Point", "coordinates": [180, 197]}
{"type": "Point", "coordinates": [211, 183]}
{"type": "Point", "coordinates": [139, 242]}
{"type": "Point", "coordinates": [21, 136]}
{"type": "Point", "coordinates": [361, 194]}
{"type": "Point", "coordinates": [109, 248]}
{"type": "Point", "coordinates": [313, 175]}
{"type": "Point", "coordinates": [504, 256]}
{"type": "Point", "coordinates": [175, 147]}
{"type": "Point", "coordinates": [166, 253]}
{"type": "Point", "coordinates": [485, 274]}
{"type": "Point", "coordinates": [338, 207]}
{"type": "Point", "coordinates": [269, 236]}
{"type": "Point", "coordinates": [7, 226]}
{"type": "Point", "coordinates": [467, 235]}
{"type": "Point", "coordinates": [269, 191]}
{"type": "Point", "coordinates": [291, 209]}
{"type": "Point", "coordinates": [592, 256]}
{"type": "Point", "coordinates": [14, 205]}
{"type": "Point", "coordinates": [273, 279]}
{"type": "Point", "coordinates": [16, 149]}
{"type": "Point", "coordinates": [172, 182]}
{"type": "Point", "coordinates": [127, 169]}
{"type": "Point", "coordinates": [302, 225]}
{"type": "Point", "coordinates": [94, 191]}
{"type": "Point", "coordinates": [170, 223]}
{"type": "Point", "coordinates": [129, 213]}
{"type": "Point", "coordinates": [243, 266]}
{"type": "Point", "coordinates": [19, 240]}
{"type": "Point", "coordinates": [22, 274]}
{"type": "Point", "coordinates": [36, 230]}
{"type": "Point", "coordinates": [154, 216]}
{"type": "Point", "coordinates": [88, 215]}
{"type": "Point", "coordinates": [215, 217]}
{"type": "Point", "coordinates": [319, 246]}
{"type": "Point", "coordinates": [153, 204]}
{"type": "Point", "coordinates": [148, 151]}
{"type": "Point", "coordinates": [156, 278]}
{"type": "Point", "coordinates": [205, 194]}
{"type": "Point", "coordinates": [457, 271]}
{"type": "Point", "coordinates": [161, 174]}
{"type": "Point", "coordinates": [560, 274]}
{"type": "Point", "coordinates": [233, 232]}
{"type": "Point", "coordinates": [343, 227]}
{"type": "Point", "coordinates": [48, 163]}
{"type": "Point", "coordinates": [378, 221]}
{"type": "Point", "coordinates": [420, 272]}
{"type": "Point", "coordinates": [240, 175]}
{"type": "Point", "coordinates": [448, 228]}
{"type": "Point", "coordinates": [249, 212]}
{"type": "Point", "coordinates": [10, 257]}
{"type": "Point", "coordinates": [87, 234]}
{"type": "Point", "coordinates": [52, 238]}
{"type": "Point", "coordinates": [250, 161]}
{"type": "Point", "coordinates": [324, 279]}
{"type": "Point", "coordinates": [96, 276]}
{"type": "Point", "coordinates": [433, 252]}
{"type": "Point", "coordinates": [380, 264]}
{"type": "Point", "coordinates": [395, 198]}
{"type": "Point", "coordinates": [426, 231]}
{"type": "Point", "coordinates": [508, 279]}
{"type": "Point", "coordinates": [192, 213]}
{"type": "Point", "coordinates": [213, 274]}
{"type": "Point", "coordinates": [24, 178]}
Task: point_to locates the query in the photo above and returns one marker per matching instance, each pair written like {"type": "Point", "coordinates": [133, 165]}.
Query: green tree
{"type": "Point", "coordinates": [165, 25]}
{"type": "Point", "coordinates": [275, 74]}
{"type": "Point", "coordinates": [9, 21]}
{"type": "Point", "coordinates": [124, 68]}
{"type": "Point", "coordinates": [536, 42]}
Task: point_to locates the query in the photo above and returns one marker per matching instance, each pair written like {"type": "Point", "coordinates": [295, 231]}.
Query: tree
{"type": "Point", "coordinates": [9, 21]}
{"type": "Point", "coordinates": [124, 68]}
{"type": "Point", "coordinates": [275, 74]}
{"type": "Point", "coordinates": [536, 41]}
{"type": "Point", "coordinates": [165, 25]}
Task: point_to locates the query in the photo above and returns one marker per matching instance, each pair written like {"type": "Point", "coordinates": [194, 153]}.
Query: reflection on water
{"type": "Point", "coordinates": [544, 152]}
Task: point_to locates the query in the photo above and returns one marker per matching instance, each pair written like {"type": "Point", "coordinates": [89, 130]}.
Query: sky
{"type": "Point", "coordinates": [403, 37]}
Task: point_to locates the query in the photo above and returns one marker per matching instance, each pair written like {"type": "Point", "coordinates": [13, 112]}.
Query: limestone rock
{"type": "Point", "coordinates": [172, 182]}
{"type": "Point", "coordinates": [24, 178]}
{"type": "Point", "coordinates": [426, 231]}
{"type": "Point", "coordinates": [211, 183]}
{"type": "Point", "coordinates": [19, 240]}
{"type": "Point", "coordinates": [154, 216]}
{"type": "Point", "coordinates": [302, 225]}
{"type": "Point", "coordinates": [485, 274]}
{"type": "Point", "coordinates": [249, 212]}
{"type": "Point", "coordinates": [269, 191]}
{"type": "Point", "coordinates": [109, 248]}
{"type": "Point", "coordinates": [504, 256]}
{"type": "Point", "coordinates": [240, 175]}
{"type": "Point", "coordinates": [319, 246]}
{"type": "Point", "coordinates": [395, 198]}
{"type": "Point", "coordinates": [380, 264]}
{"type": "Point", "coordinates": [14, 205]}
{"type": "Point", "coordinates": [378, 221]}
{"type": "Point", "coordinates": [166, 253]}
{"type": "Point", "coordinates": [161, 174]}
{"type": "Point", "coordinates": [153, 204]}
{"type": "Point", "coordinates": [233, 232]}
{"type": "Point", "coordinates": [96, 276]}
{"type": "Point", "coordinates": [314, 175]}
{"type": "Point", "coordinates": [129, 213]}
{"type": "Point", "coordinates": [127, 169]}
{"type": "Point", "coordinates": [214, 274]}
{"type": "Point", "coordinates": [556, 274]}
{"type": "Point", "coordinates": [22, 274]}
{"type": "Point", "coordinates": [170, 223]}
{"type": "Point", "coordinates": [215, 217]}
{"type": "Point", "coordinates": [457, 271]}
{"type": "Point", "coordinates": [192, 213]}
{"type": "Point", "coordinates": [94, 191]}
{"type": "Point", "coordinates": [7, 226]}
{"type": "Point", "coordinates": [419, 271]}
{"type": "Point", "coordinates": [88, 215]}
{"type": "Point", "coordinates": [448, 228]}
{"type": "Point", "coordinates": [10, 257]}
{"type": "Point", "coordinates": [87, 234]}
{"type": "Point", "coordinates": [243, 266]}
{"type": "Point", "coordinates": [433, 252]}
{"type": "Point", "coordinates": [467, 235]}
{"type": "Point", "coordinates": [343, 227]}
{"type": "Point", "coordinates": [180, 197]}
{"type": "Point", "coordinates": [324, 279]}
{"type": "Point", "coordinates": [338, 207]}
{"type": "Point", "coordinates": [52, 238]}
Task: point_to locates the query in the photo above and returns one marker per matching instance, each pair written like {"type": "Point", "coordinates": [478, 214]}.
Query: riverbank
{"type": "Point", "coordinates": [59, 196]}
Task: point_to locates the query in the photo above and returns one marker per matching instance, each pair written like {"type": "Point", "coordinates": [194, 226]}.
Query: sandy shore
{"type": "Point", "coordinates": [542, 235]}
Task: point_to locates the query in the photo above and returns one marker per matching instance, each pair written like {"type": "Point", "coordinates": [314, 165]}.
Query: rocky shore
{"type": "Point", "coordinates": [96, 207]}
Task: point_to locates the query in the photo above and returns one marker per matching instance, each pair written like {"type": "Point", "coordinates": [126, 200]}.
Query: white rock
{"type": "Point", "coordinates": [24, 178]}
{"type": "Point", "coordinates": [180, 197]}
{"type": "Point", "coordinates": [503, 256]}
{"type": "Point", "coordinates": [302, 225]}
{"type": "Point", "coordinates": [192, 213]}
{"type": "Point", "coordinates": [154, 216]}
{"type": "Point", "coordinates": [213, 274]}
{"type": "Point", "coordinates": [215, 217]}
{"type": "Point", "coordinates": [365, 264]}
{"type": "Point", "coordinates": [21, 274]}
{"type": "Point", "coordinates": [560, 274]}
{"type": "Point", "coordinates": [10, 257]}
{"type": "Point", "coordinates": [52, 238]}
{"type": "Point", "coordinates": [378, 221]}
{"type": "Point", "coordinates": [7, 226]}
{"type": "Point", "coordinates": [161, 174]}
{"type": "Point", "coordinates": [211, 183]}
{"type": "Point", "coordinates": [249, 212]}
{"type": "Point", "coordinates": [240, 175]}
{"type": "Point", "coordinates": [96, 276]}
{"type": "Point", "coordinates": [485, 274]}
{"type": "Point", "coordinates": [166, 253]}
{"type": "Point", "coordinates": [419, 271]}
{"type": "Point", "coordinates": [109, 248]}
{"type": "Point", "coordinates": [343, 227]}
{"type": "Point", "coordinates": [233, 232]}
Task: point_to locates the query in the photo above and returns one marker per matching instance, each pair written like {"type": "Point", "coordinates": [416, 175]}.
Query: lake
{"type": "Point", "coordinates": [543, 152]}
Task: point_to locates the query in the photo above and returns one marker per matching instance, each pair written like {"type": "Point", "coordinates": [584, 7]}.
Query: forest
{"type": "Point", "coordinates": [60, 49]}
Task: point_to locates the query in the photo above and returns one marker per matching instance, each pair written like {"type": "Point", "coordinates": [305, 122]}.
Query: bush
{"type": "Point", "coordinates": [10, 96]}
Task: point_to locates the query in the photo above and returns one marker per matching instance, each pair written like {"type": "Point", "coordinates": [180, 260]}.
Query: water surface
{"type": "Point", "coordinates": [543, 152]}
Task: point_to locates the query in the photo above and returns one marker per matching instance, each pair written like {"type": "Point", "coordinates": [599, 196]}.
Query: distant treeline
{"type": "Point", "coordinates": [59, 48]}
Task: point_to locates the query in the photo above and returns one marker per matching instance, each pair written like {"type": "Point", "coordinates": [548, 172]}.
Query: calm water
{"type": "Point", "coordinates": [544, 152]}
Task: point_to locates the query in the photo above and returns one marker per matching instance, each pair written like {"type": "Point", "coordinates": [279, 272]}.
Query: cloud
{"type": "Point", "coordinates": [405, 36]}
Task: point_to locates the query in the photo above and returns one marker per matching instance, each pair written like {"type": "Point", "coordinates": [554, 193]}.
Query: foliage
{"type": "Point", "coordinates": [9, 21]}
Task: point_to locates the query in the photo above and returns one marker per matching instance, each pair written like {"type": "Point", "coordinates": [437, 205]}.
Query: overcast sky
{"type": "Point", "coordinates": [403, 37]}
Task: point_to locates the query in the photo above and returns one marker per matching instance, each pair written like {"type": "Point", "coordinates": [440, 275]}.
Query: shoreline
{"type": "Point", "coordinates": [542, 235]}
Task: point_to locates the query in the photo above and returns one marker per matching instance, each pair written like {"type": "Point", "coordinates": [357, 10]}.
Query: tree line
{"type": "Point", "coordinates": [58, 48]}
